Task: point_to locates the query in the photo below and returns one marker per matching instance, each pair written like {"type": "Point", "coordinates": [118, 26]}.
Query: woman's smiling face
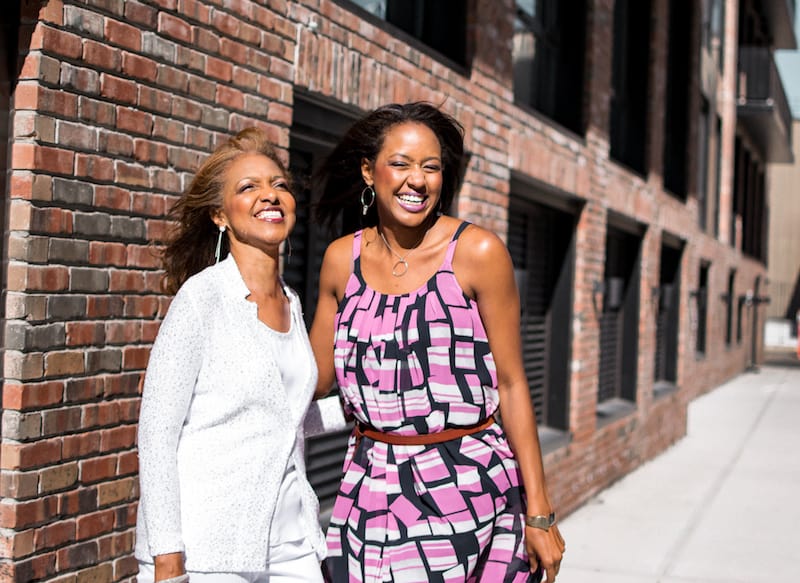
{"type": "Point", "coordinates": [258, 208]}
{"type": "Point", "coordinates": [406, 173]}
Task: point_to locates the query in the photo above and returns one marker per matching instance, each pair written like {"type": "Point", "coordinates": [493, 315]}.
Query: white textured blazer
{"type": "Point", "coordinates": [217, 427]}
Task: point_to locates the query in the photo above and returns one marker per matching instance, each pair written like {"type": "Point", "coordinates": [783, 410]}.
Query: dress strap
{"type": "Point", "coordinates": [357, 253]}
{"type": "Point", "coordinates": [357, 243]}
{"type": "Point", "coordinates": [451, 248]}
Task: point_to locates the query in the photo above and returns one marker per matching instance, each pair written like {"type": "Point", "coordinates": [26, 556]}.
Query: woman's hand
{"type": "Point", "coordinates": [168, 566]}
{"type": "Point", "coordinates": [545, 548]}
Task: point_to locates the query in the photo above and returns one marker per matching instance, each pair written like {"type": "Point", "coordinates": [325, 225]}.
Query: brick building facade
{"type": "Point", "coordinates": [617, 146]}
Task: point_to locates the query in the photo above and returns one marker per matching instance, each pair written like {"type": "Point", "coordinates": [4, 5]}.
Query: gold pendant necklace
{"type": "Point", "coordinates": [401, 262]}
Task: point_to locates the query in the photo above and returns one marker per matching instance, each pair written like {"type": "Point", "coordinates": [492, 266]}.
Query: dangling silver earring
{"type": "Point", "coordinates": [219, 243]}
{"type": "Point", "coordinates": [367, 192]}
{"type": "Point", "coordinates": [289, 252]}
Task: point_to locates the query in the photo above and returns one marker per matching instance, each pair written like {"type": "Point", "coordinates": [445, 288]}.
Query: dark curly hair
{"type": "Point", "coordinates": [340, 177]}
{"type": "Point", "coordinates": [192, 244]}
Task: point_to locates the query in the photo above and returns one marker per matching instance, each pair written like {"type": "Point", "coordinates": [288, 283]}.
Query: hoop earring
{"type": "Point", "coordinates": [222, 229]}
{"type": "Point", "coordinates": [368, 191]}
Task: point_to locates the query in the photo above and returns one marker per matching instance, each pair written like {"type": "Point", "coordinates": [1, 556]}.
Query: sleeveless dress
{"type": "Point", "coordinates": [412, 364]}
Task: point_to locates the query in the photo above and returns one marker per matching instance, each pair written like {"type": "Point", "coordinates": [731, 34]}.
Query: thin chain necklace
{"type": "Point", "coordinates": [401, 263]}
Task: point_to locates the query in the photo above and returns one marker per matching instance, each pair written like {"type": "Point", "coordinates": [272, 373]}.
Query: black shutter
{"type": "Point", "coordinates": [316, 129]}
{"type": "Point", "coordinates": [530, 243]}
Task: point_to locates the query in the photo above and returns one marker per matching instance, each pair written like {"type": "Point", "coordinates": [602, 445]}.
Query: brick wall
{"type": "Point", "coordinates": [117, 102]}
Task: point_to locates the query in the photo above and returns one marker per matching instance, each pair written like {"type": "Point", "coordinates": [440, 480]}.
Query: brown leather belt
{"type": "Point", "coordinates": [449, 434]}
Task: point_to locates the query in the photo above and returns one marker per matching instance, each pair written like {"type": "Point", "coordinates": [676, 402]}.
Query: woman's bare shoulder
{"type": "Point", "coordinates": [481, 245]}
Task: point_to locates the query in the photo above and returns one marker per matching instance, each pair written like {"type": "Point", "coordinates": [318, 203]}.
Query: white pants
{"type": "Point", "coordinates": [294, 562]}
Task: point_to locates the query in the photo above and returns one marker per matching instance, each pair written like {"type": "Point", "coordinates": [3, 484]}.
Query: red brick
{"type": "Point", "coordinates": [98, 469]}
{"type": "Point", "coordinates": [24, 456]}
{"type": "Point", "coordinates": [104, 306]}
{"type": "Point", "coordinates": [32, 396]}
{"type": "Point", "coordinates": [95, 167]}
{"type": "Point", "coordinates": [154, 100]}
{"type": "Point", "coordinates": [109, 493]}
{"type": "Point", "coordinates": [54, 535]}
{"type": "Point", "coordinates": [93, 525]}
{"type": "Point", "coordinates": [118, 90]}
{"type": "Point", "coordinates": [139, 67]}
{"type": "Point", "coordinates": [126, 280]}
{"type": "Point", "coordinates": [219, 69]}
{"type": "Point", "coordinates": [120, 385]}
{"type": "Point", "coordinates": [140, 14]}
{"type": "Point", "coordinates": [101, 56]}
{"type": "Point", "coordinates": [123, 332]}
{"type": "Point", "coordinates": [173, 27]}
{"type": "Point", "coordinates": [101, 414]}
{"type": "Point", "coordinates": [166, 181]}
{"type": "Point", "coordinates": [48, 278]}
{"type": "Point", "coordinates": [172, 78]}
{"type": "Point", "coordinates": [42, 158]}
{"type": "Point", "coordinates": [137, 122]}
{"type": "Point", "coordinates": [80, 445]}
{"type": "Point", "coordinates": [20, 485]}
{"type": "Point", "coordinates": [124, 35]}
{"type": "Point", "coordinates": [57, 42]}
{"type": "Point", "coordinates": [116, 144]}
{"type": "Point", "coordinates": [117, 438]}
{"type": "Point", "coordinates": [80, 555]}
{"type": "Point", "coordinates": [128, 463]}
{"type": "Point", "coordinates": [63, 363]}
{"type": "Point", "coordinates": [51, 220]}
{"type": "Point", "coordinates": [101, 253]}
{"type": "Point", "coordinates": [135, 357]}
{"type": "Point", "coordinates": [85, 333]}
{"type": "Point", "coordinates": [231, 98]}
{"type": "Point", "coordinates": [77, 390]}
{"type": "Point", "coordinates": [101, 113]}
{"type": "Point", "coordinates": [149, 152]}
{"type": "Point", "coordinates": [131, 174]}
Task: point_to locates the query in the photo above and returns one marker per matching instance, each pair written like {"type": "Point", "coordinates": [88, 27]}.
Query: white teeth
{"type": "Point", "coordinates": [411, 198]}
{"type": "Point", "coordinates": [269, 214]}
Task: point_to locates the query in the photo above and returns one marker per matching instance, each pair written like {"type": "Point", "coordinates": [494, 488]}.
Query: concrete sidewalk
{"type": "Point", "coordinates": [721, 505]}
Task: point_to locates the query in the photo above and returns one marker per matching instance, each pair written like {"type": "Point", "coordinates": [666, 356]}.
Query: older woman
{"type": "Point", "coordinates": [224, 496]}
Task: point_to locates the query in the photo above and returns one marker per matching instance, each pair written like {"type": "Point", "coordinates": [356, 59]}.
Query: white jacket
{"type": "Point", "coordinates": [216, 430]}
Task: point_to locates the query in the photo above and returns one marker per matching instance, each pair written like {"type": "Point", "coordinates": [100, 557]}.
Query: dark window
{"type": "Point", "coordinates": [712, 37]}
{"type": "Point", "coordinates": [439, 24]}
{"type": "Point", "coordinates": [630, 71]}
{"type": "Point", "coordinates": [741, 161]}
{"type": "Point", "coordinates": [540, 241]}
{"type": "Point", "coordinates": [676, 118]}
{"type": "Point", "coordinates": [619, 317]}
{"type": "Point", "coordinates": [717, 177]}
{"type": "Point", "coordinates": [703, 146]}
{"type": "Point", "coordinates": [668, 315]}
{"type": "Point", "coordinates": [730, 299]}
{"type": "Point", "coordinates": [315, 130]}
{"type": "Point", "coordinates": [740, 303]}
{"type": "Point", "coordinates": [548, 53]}
{"type": "Point", "coordinates": [701, 300]}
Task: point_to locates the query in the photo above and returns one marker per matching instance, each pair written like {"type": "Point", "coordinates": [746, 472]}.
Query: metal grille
{"type": "Point", "coordinates": [662, 339]}
{"type": "Point", "coordinates": [530, 243]}
{"type": "Point", "coordinates": [609, 373]}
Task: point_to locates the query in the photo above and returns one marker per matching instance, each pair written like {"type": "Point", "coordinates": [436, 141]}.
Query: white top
{"type": "Point", "coordinates": [285, 526]}
{"type": "Point", "coordinates": [217, 428]}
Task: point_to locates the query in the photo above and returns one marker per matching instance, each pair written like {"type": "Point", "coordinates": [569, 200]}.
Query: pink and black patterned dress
{"type": "Point", "coordinates": [412, 364]}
